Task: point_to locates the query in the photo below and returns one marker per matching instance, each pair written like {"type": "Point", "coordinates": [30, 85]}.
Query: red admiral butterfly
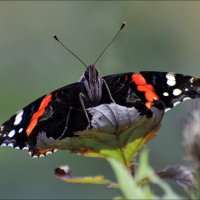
{"type": "Point", "coordinates": [63, 112]}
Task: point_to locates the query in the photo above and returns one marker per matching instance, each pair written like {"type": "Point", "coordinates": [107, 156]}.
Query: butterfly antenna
{"type": "Point", "coordinates": [56, 38]}
{"type": "Point", "coordinates": [122, 26]}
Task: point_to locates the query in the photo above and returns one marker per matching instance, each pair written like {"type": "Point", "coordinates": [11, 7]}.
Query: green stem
{"type": "Point", "coordinates": [125, 181]}
{"type": "Point", "coordinates": [125, 162]}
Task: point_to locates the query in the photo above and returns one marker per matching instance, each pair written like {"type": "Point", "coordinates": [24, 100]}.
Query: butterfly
{"type": "Point", "coordinates": [63, 112]}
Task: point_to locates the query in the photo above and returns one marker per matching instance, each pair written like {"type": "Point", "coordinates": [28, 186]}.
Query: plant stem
{"type": "Point", "coordinates": [125, 162]}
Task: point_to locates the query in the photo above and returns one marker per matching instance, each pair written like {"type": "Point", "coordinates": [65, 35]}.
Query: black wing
{"type": "Point", "coordinates": [147, 86]}
{"type": "Point", "coordinates": [59, 114]}
{"type": "Point", "coordinates": [54, 116]}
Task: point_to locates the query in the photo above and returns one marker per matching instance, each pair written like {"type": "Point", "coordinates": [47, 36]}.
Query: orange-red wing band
{"type": "Point", "coordinates": [138, 79]}
{"type": "Point", "coordinates": [148, 89]}
{"type": "Point", "coordinates": [34, 120]}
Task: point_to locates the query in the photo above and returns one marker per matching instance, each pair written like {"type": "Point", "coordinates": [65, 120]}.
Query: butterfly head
{"type": "Point", "coordinates": [93, 84]}
{"type": "Point", "coordinates": [91, 74]}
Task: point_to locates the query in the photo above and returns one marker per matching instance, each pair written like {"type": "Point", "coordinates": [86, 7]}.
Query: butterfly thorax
{"type": "Point", "coordinates": [92, 85]}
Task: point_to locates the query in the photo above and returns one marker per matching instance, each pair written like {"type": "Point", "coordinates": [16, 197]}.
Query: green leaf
{"type": "Point", "coordinates": [88, 180]}
{"type": "Point", "coordinates": [120, 141]}
{"type": "Point", "coordinates": [64, 173]}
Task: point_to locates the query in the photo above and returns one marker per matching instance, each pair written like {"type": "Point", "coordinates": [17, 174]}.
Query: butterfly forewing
{"type": "Point", "coordinates": [50, 117]}
{"type": "Point", "coordinates": [147, 86]}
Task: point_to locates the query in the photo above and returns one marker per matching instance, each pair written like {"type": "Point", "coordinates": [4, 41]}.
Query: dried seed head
{"type": "Point", "coordinates": [191, 133]}
{"type": "Point", "coordinates": [181, 174]}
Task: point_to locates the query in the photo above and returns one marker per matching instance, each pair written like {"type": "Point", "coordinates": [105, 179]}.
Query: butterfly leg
{"type": "Point", "coordinates": [108, 89]}
{"type": "Point", "coordinates": [67, 121]}
{"type": "Point", "coordinates": [81, 96]}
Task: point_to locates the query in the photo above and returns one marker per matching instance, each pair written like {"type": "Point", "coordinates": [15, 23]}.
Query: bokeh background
{"type": "Point", "coordinates": [161, 36]}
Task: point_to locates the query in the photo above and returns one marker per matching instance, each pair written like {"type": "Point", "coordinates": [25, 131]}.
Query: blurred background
{"type": "Point", "coordinates": [160, 36]}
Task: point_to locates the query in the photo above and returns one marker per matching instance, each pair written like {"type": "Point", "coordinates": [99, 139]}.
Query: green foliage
{"type": "Point", "coordinates": [132, 188]}
{"type": "Point", "coordinates": [121, 143]}
{"type": "Point", "coordinates": [119, 146]}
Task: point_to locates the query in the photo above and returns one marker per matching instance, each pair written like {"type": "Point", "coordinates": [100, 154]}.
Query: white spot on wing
{"type": "Point", "coordinates": [11, 134]}
{"type": "Point", "coordinates": [20, 130]}
{"type": "Point", "coordinates": [176, 103]}
{"type": "Point", "coordinates": [166, 94]}
{"type": "Point", "coordinates": [186, 98]}
{"type": "Point", "coordinates": [167, 109]}
{"type": "Point", "coordinates": [18, 117]}
{"type": "Point", "coordinates": [170, 76]}
{"type": "Point", "coordinates": [177, 92]}
{"type": "Point", "coordinates": [1, 128]}
{"type": "Point", "coordinates": [34, 156]}
{"type": "Point", "coordinates": [48, 152]}
{"type": "Point", "coordinates": [171, 80]}
{"type": "Point", "coordinates": [10, 145]}
{"type": "Point", "coordinates": [192, 80]}
{"type": "Point", "coordinates": [186, 89]}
